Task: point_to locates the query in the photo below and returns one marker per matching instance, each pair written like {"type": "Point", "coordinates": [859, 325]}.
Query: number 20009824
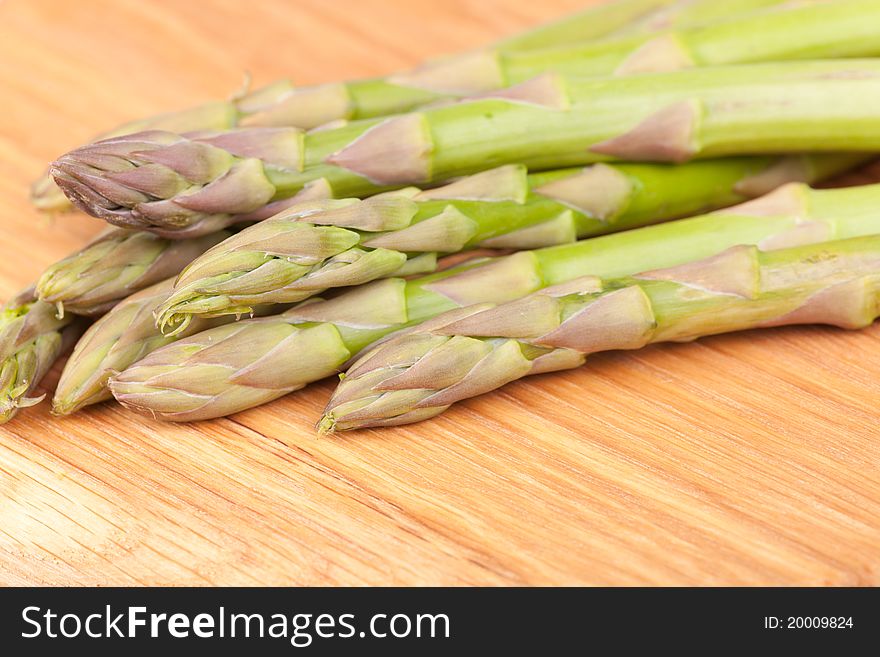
{"type": "Point", "coordinates": [808, 622]}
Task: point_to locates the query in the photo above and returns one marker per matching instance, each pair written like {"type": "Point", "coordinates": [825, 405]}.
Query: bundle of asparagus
{"type": "Point", "coordinates": [311, 247]}
{"type": "Point", "coordinates": [563, 144]}
{"type": "Point", "coordinates": [228, 369]}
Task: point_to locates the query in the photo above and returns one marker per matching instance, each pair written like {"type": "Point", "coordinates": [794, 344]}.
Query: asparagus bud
{"type": "Point", "coordinates": [116, 264]}
{"type": "Point", "coordinates": [32, 337]}
{"type": "Point", "coordinates": [48, 197]}
{"type": "Point", "coordinates": [121, 337]}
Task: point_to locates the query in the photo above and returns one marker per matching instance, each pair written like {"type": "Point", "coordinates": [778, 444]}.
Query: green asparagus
{"type": "Point", "coordinates": [692, 13]}
{"type": "Point", "coordinates": [845, 28]}
{"type": "Point", "coordinates": [312, 247]}
{"type": "Point", "coordinates": [629, 17]}
{"type": "Point", "coordinates": [116, 264]}
{"type": "Point", "coordinates": [32, 337]}
{"type": "Point", "coordinates": [419, 375]}
{"type": "Point", "coordinates": [45, 194]}
{"type": "Point", "coordinates": [121, 337]}
{"type": "Point", "coordinates": [234, 367]}
{"type": "Point", "coordinates": [171, 184]}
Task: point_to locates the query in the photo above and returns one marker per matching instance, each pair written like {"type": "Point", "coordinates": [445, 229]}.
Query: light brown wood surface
{"type": "Point", "coordinates": [746, 459]}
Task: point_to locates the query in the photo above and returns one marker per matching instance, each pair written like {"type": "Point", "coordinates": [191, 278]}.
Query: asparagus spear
{"type": "Point", "coordinates": [629, 17]}
{"type": "Point", "coordinates": [312, 247]}
{"type": "Point", "coordinates": [845, 28]}
{"type": "Point", "coordinates": [280, 104]}
{"type": "Point", "coordinates": [606, 19]}
{"type": "Point", "coordinates": [419, 375]}
{"type": "Point", "coordinates": [121, 337]}
{"type": "Point", "coordinates": [116, 264]}
{"type": "Point", "coordinates": [46, 195]}
{"type": "Point", "coordinates": [172, 184]}
{"type": "Point", "coordinates": [32, 337]}
{"type": "Point", "coordinates": [118, 339]}
{"type": "Point", "coordinates": [695, 13]}
{"type": "Point", "coordinates": [234, 367]}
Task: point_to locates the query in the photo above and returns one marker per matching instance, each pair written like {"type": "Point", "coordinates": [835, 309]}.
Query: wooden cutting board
{"type": "Point", "coordinates": [746, 459]}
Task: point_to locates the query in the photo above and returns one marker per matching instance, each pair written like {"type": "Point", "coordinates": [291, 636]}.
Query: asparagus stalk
{"type": "Point", "coordinates": [695, 13]}
{"type": "Point", "coordinates": [127, 334]}
{"type": "Point", "coordinates": [121, 337]}
{"type": "Point", "coordinates": [116, 264]}
{"type": "Point", "coordinates": [32, 337]}
{"type": "Point", "coordinates": [608, 18]}
{"type": "Point", "coordinates": [845, 28]}
{"type": "Point", "coordinates": [177, 185]}
{"type": "Point", "coordinates": [419, 375]}
{"type": "Point", "coordinates": [311, 247]}
{"type": "Point", "coordinates": [234, 367]}
{"type": "Point", "coordinates": [281, 104]}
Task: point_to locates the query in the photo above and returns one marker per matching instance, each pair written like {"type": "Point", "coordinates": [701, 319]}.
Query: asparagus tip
{"type": "Point", "coordinates": [171, 323]}
{"type": "Point", "coordinates": [326, 425]}
{"type": "Point", "coordinates": [15, 400]}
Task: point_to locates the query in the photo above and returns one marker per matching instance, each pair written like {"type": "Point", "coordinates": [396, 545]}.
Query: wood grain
{"type": "Point", "coordinates": [747, 459]}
